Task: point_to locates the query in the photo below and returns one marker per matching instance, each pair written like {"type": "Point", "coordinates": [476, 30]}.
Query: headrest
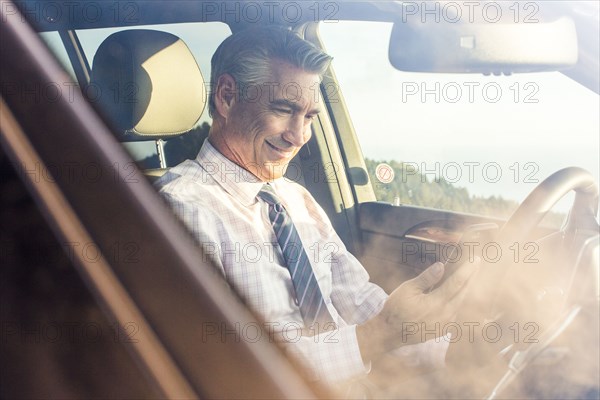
{"type": "Point", "coordinates": [149, 83]}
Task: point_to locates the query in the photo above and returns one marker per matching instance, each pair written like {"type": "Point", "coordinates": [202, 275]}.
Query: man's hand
{"type": "Point", "coordinates": [410, 309]}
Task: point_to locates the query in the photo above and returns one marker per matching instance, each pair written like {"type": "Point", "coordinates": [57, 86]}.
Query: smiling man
{"type": "Point", "coordinates": [261, 126]}
{"type": "Point", "coordinates": [270, 239]}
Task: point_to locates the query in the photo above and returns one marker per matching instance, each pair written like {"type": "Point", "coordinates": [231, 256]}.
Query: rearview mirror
{"type": "Point", "coordinates": [489, 48]}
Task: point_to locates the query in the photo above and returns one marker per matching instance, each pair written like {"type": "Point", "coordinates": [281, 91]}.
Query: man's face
{"type": "Point", "coordinates": [268, 124]}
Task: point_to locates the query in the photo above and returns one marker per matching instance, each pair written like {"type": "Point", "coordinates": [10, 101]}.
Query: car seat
{"type": "Point", "coordinates": [150, 87]}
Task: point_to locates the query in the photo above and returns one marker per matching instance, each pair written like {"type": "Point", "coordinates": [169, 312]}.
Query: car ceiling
{"type": "Point", "coordinates": [63, 15]}
{"type": "Point", "coordinates": [84, 14]}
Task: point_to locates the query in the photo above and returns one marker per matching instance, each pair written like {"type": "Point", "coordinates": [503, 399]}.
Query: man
{"type": "Point", "coordinates": [264, 97]}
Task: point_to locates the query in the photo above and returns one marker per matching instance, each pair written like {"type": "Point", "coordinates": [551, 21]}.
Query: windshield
{"type": "Point", "coordinates": [461, 142]}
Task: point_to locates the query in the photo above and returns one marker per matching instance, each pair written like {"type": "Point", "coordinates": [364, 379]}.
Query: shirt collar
{"type": "Point", "coordinates": [234, 179]}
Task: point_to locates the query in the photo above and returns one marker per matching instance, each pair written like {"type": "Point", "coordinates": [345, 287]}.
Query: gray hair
{"type": "Point", "coordinates": [247, 56]}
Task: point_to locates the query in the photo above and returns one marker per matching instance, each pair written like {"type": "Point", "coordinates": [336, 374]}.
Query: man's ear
{"type": "Point", "coordinates": [225, 94]}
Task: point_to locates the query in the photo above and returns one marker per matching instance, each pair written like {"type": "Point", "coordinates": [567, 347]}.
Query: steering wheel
{"type": "Point", "coordinates": [547, 194]}
{"type": "Point", "coordinates": [533, 209]}
{"type": "Point", "coordinates": [487, 301]}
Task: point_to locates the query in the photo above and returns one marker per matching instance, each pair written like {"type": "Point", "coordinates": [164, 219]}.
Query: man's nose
{"type": "Point", "coordinates": [295, 132]}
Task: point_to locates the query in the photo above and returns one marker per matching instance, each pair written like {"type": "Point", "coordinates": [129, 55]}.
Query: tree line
{"type": "Point", "coordinates": [410, 187]}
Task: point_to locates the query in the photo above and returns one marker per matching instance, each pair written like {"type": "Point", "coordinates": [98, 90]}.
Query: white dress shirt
{"type": "Point", "coordinates": [217, 200]}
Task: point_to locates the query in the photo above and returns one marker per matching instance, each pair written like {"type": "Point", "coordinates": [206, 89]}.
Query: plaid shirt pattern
{"type": "Point", "coordinates": [217, 200]}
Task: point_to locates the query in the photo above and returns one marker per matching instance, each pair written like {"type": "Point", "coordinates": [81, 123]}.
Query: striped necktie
{"type": "Point", "coordinates": [308, 294]}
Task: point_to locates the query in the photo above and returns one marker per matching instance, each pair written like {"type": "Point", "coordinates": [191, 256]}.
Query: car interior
{"type": "Point", "coordinates": [158, 94]}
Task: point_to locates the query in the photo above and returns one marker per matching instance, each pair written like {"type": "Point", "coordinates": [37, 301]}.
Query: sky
{"type": "Point", "coordinates": [534, 125]}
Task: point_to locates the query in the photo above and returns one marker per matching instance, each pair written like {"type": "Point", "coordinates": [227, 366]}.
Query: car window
{"type": "Point", "coordinates": [460, 142]}
{"type": "Point", "coordinates": [53, 41]}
